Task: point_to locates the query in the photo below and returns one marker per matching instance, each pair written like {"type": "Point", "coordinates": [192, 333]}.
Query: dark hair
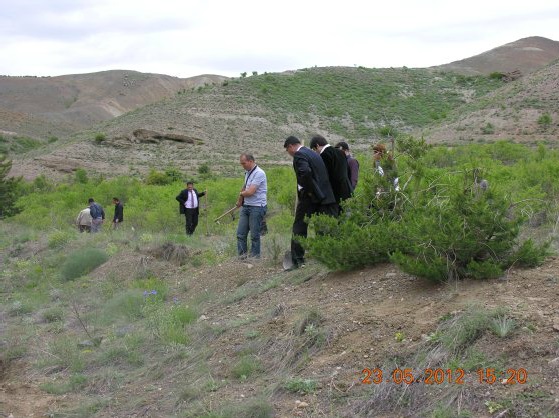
{"type": "Point", "coordinates": [248, 157]}
{"type": "Point", "coordinates": [90, 200]}
{"type": "Point", "coordinates": [116, 198]}
{"type": "Point", "coordinates": [343, 145]}
{"type": "Point", "coordinates": [189, 182]}
{"type": "Point", "coordinates": [318, 140]}
{"type": "Point", "coordinates": [290, 141]}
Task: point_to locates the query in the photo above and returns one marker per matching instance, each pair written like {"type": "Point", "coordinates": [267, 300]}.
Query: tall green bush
{"type": "Point", "coordinates": [441, 223]}
{"type": "Point", "coordinates": [82, 261]}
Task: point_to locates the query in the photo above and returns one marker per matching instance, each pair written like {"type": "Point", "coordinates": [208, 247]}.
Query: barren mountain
{"type": "Point", "coordinates": [524, 55]}
{"type": "Point", "coordinates": [72, 102]}
{"type": "Point", "coordinates": [525, 110]}
{"type": "Point", "coordinates": [212, 124]}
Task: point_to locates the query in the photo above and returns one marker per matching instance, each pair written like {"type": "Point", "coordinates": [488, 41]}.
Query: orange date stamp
{"type": "Point", "coordinates": [439, 376]}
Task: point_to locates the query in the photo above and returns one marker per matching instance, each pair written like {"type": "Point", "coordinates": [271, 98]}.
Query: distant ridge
{"type": "Point", "coordinates": [81, 100]}
{"type": "Point", "coordinates": [524, 55]}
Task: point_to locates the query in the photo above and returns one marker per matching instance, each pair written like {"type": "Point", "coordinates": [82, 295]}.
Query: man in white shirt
{"type": "Point", "coordinates": [189, 200]}
{"type": "Point", "coordinates": [83, 220]}
{"type": "Point", "coordinates": [253, 204]}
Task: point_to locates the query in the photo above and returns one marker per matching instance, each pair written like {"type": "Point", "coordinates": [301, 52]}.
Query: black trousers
{"type": "Point", "coordinates": [306, 208]}
{"type": "Point", "coordinates": [191, 216]}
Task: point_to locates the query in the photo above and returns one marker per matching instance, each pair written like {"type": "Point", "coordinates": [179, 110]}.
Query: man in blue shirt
{"type": "Point", "coordinates": [252, 201]}
{"type": "Point", "coordinates": [97, 215]}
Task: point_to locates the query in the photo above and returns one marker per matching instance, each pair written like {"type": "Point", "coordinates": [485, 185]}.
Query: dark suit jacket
{"type": "Point", "coordinates": [119, 212]}
{"type": "Point", "coordinates": [312, 177]}
{"type": "Point", "coordinates": [183, 196]}
{"type": "Point", "coordinates": [336, 165]}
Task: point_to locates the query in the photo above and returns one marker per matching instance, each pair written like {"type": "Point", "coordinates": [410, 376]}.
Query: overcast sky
{"type": "Point", "coordinates": [185, 38]}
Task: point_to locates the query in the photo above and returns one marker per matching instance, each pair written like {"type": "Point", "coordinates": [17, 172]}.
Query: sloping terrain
{"type": "Point", "coordinates": [310, 334]}
{"type": "Point", "coordinates": [524, 55]}
{"type": "Point", "coordinates": [257, 113]}
{"type": "Point", "coordinates": [78, 101]}
{"type": "Point", "coordinates": [525, 110]}
{"type": "Point", "coordinates": [357, 105]}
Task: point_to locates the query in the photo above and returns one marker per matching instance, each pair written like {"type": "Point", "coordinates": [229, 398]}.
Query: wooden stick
{"type": "Point", "coordinates": [226, 213]}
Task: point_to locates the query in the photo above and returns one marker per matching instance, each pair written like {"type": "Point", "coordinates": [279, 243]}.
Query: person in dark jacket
{"type": "Point", "coordinates": [336, 165]}
{"type": "Point", "coordinates": [119, 213]}
{"type": "Point", "coordinates": [314, 193]}
{"type": "Point", "coordinates": [352, 163]}
{"type": "Point", "coordinates": [189, 205]}
{"type": "Point", "coordinates": [97, 215]}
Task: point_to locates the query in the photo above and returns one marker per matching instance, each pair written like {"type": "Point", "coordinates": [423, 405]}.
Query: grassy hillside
{"type": "Point", "coordinates": [145, 320]}
{"type": "Point", "coordinates": [526, 110]}
{"type": "Point", "coordinates": [256, 113]}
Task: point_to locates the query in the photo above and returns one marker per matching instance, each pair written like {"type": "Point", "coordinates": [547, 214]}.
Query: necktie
{"type": "Point", "coordinates": [192, 198]}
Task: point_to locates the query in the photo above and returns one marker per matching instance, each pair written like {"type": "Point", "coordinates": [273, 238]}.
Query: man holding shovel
{"type": "Point", "coordinates": [253, 205]}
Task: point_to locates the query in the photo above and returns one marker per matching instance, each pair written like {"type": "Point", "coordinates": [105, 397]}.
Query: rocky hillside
{"type": "Point", "coordinates": [69, 103]}
{"type": "Point", "coordinates": [526, 110]}
{"type": "Point", "coordinates": [524, 55]}
{"type": "Point", "coordinates": [213, 124]}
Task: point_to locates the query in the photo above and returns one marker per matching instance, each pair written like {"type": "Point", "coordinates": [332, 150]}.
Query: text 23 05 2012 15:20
{"type": "Point", "coordinates": [439, 376]}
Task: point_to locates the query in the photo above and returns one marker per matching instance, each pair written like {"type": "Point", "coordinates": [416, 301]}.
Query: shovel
{"type": "Point", "coordinates": [287, 262]}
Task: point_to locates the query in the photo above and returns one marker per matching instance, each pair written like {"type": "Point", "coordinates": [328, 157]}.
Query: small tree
{"type": "Point", "coordinates": [544, 120]}
{"type": "Point", "coordinates": [204, 170]}
{"type": "Point", "coordinates": [100, 137]}
{"type": "Point", "coordinates": [81, 176]}
{"type": "Point", "coordinates": [8, 188]}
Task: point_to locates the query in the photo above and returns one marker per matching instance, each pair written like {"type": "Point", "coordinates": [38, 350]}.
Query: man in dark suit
{"type": "Point", "coordinates": [336, 165]}
{"type": "Point", "coordinates": [314, 193]}
{"type": "Point", "coordinates": [119, 213]}
{"type": "Point", "coordinates": [189, 205]}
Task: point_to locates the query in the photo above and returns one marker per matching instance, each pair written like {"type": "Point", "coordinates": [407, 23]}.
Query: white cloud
{"type": "Point", "coordinates": [191, 37]}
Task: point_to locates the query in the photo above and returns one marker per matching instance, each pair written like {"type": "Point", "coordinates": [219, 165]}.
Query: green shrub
{"type": "Point", "coordinates": [81, 262]}
{"type": "Point", "coordinates": [100, 137]}
{"type": "Point", "coordinates": [441, 223]}
{"type": "Point", "coordinates": [59, 239]}
{"type": "Point", "coordinates": [155, 177]}
{"type": "Point", "coordinates": [502, 326]}
{"type": "Point", "coordinates": [544, 120]}
{"type": "Point", "coordinates": [302, 386]}
{"type": "Point", "coordinates": [81, 176]}
{"type": "Point", "coordinates": [488, 129]}
{"type": "Point", "coordinates": [245, 367]}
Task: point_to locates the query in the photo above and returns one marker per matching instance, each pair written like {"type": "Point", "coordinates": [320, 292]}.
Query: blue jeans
{"type": "Point", "coordinates": [250, 219]}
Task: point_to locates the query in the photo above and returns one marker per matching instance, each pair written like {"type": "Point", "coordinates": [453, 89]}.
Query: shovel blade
{"type": "Point", "coordinates": [287, 261]}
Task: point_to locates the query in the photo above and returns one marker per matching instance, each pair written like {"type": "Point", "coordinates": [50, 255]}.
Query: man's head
{"type": "Point", "coordinates": [317, 143]}
{"type": "Point", "coordinates": [189, 185]}
{"type": "Point", "coordinates": [116, 201]}
{"type": "Point", "coordinates": [343, 146]}
{"type": "Point", "coordinates": [90, 200]}
{"type": "Point", "coordinates": [291, 145]}
{"type": "Point", "coordinates": [247, 161]}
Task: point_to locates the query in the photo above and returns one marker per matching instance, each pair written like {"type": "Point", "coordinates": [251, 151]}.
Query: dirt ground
{"type": "Point", "coordinates": [371, 317]}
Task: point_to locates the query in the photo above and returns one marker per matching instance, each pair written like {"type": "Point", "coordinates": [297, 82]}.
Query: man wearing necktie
{"type": "Point", "coordinates": [189, 199]}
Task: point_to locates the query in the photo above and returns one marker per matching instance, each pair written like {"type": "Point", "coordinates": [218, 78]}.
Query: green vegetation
{"type": "Point", "coordinates": [396, 97]}
{"type": "Point", "coordinates": [9, 188]}
{"type": "Point", "coordinates": [20, 144]}
{"type": "Point", "coordinates": [81, 262]}
{"type": "Point", "coordinates": [443, 223]}
{"type": "Point", "coordinates": [116, 318]}
{"type": "Point", "coordinates": [544, 120]}
{"type": "Point", "coordinates": [100, 137]}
